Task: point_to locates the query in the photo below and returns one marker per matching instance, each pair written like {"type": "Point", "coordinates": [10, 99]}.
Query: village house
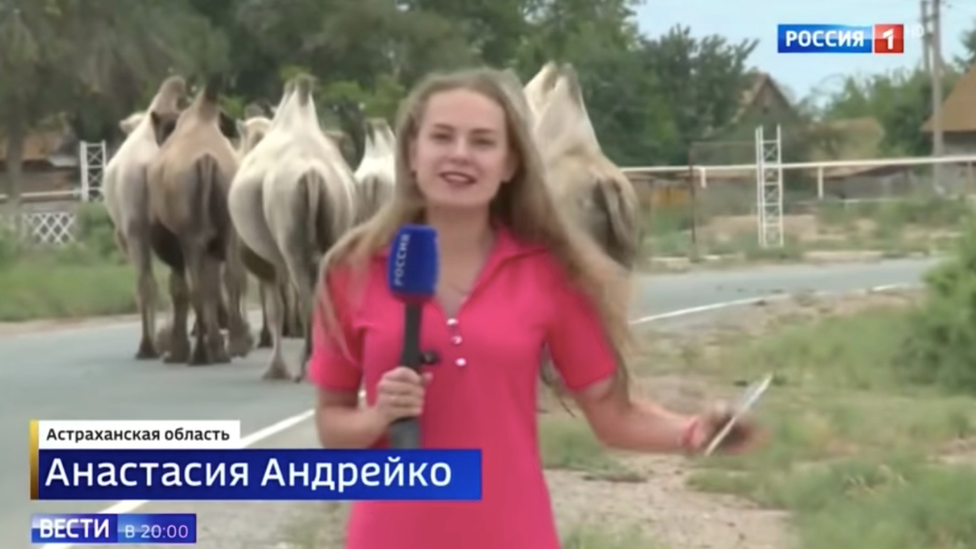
{"type": "Point", "coordinates": [50, 164]}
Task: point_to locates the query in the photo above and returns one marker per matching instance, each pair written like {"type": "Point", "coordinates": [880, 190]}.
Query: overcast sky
{"type": "Point", "coordinates": [801, 73]}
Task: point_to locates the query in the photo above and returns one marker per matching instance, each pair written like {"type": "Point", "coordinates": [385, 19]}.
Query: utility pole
{"type": "Point", "coordinates": [926, 38]}
{"type": "Point", "coordinates": [932, 56]}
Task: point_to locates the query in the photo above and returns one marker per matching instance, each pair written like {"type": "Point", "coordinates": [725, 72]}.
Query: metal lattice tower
{"type": "Point", "coordinates": [769, 189]}
{"type": "Point", "coordinates": [93, 158]}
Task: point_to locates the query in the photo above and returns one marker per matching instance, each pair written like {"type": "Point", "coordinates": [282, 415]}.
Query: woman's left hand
{"type": "Point", "coordinates": [744, 436]}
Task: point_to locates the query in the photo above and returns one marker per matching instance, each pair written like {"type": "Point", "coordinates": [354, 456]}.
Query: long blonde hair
{"type": "Point", "coordinates": [525, 206]}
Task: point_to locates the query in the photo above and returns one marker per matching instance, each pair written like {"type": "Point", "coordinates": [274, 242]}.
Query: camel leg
{"type": "Point", "coordinates": [288, 312]}
{"type": "Point", "coordinates": [205, 290]}
{"type": "Point", "coordinates": [303, 288]}
{"type": "Point", "coordinates": [264, 338]}
{"type": "Point", "coordinates": [240, 340]}
{"type": "Point", "coordinates": [178, 349]}
{"type": "Point", "coordinates": [146, 291]}
{"type": "Point", "coordinates": [277, 369]}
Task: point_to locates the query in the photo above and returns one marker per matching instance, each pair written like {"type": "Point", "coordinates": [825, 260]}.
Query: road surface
{"type": "Point", "coordinates": [88, 373]}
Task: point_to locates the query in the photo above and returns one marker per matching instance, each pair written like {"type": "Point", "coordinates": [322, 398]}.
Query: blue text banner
{"type": "Point", "coordinates": [258, 474]}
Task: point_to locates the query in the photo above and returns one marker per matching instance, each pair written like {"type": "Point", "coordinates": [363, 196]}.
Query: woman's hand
{"type": "Point", "coordinates": [744, 435]}
{"type": "Point", "coordinates": [400, 393]}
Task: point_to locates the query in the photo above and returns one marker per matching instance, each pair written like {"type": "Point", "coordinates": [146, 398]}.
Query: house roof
{"type": "Point", "coordinates": [39, 146]}
{"type": "Point", "coordinates": [753, 92]}
{"type": "Point", "coordinates": [959, 107]}
{"type": "Point", "coordinates": [750, 98]}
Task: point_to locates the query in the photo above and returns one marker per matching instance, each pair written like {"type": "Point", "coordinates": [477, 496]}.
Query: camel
{"type": "Point", "coordinates": [376, 173]}
{"type": "Point", "coordinates": [293, 197]}
{"type": "Point", "coordinates": [583, 179]}
{"type": "Point", "coordinates": [126, 198]}
{"type": "Point", "coordinates": [538, 90]}
{"type": "Point", "coordinates": [192, 233]}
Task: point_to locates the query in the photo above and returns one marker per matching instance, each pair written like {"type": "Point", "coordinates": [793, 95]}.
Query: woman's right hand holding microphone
{"type": "Point", "coordinates": [400, 394]}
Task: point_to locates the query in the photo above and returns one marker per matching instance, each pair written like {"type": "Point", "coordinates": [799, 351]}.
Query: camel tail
{"type": "Point", "coordinates": [622, 221]}
{"type": "Point", "coordinates": [211, 205]}
{"type": "Point", "coordinates": [316, 239]}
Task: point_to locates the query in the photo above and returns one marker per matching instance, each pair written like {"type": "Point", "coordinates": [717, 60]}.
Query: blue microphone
{"type": "Point", "coordinates": [412, 277]}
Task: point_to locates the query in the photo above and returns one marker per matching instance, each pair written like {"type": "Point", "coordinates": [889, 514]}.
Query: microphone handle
{"type": "Point", "coordinates": [404, 433]}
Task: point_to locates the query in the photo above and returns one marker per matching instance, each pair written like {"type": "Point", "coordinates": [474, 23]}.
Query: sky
{"type": "Point", "coordinates": [803, 73]}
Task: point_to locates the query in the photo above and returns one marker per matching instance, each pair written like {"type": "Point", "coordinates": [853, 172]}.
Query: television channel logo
{"type": "Point", "coordinates": [875, 39]}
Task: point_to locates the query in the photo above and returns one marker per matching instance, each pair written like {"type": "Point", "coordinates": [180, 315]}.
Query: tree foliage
{"type": "Point", "coordinates": [650, 98]}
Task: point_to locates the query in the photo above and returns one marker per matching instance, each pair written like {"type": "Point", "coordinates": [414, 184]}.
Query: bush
{"type": "Point", "coordinates": [940, 348]}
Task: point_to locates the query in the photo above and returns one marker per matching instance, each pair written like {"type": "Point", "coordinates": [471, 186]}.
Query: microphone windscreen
{"type": "Point", "coordinates": [412, 266]}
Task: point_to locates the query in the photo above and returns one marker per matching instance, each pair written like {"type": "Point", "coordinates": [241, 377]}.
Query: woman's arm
{"type": "Point", "coordinates": [634, 425]}
{"type": "Point", "coordinates": [587, 362]}
{"type": "Point", "coordinates": [342, 423]}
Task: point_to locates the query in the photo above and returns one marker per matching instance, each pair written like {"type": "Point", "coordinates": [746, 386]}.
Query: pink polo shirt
{"type": "Point", "coordinates": [483, 393]}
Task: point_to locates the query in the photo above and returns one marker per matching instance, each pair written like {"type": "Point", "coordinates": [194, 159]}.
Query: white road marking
{"type": "Point", "coordinates": [129, 506]}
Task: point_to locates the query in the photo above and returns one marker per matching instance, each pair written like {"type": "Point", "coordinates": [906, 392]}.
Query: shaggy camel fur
{"type": "Point", "coordinates": [376, 173]}
{"type": "Point", "coordinates": [126, 199]}
{"type": "Point", "coordinates": [602, 198]}
{"type": "Point", "coordinates": [191, 232]}
{"type": "Point", "coordinates": [583, 180]}
{"type": "Point", "coordinates": [291, 200]}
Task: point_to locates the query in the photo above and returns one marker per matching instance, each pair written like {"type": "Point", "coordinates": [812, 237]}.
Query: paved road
{"type": "Point", "coordinates": [88, 374]}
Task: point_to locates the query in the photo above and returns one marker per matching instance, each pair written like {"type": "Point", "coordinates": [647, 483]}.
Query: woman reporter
{"type": "Point", "coordinates": [515, 277]}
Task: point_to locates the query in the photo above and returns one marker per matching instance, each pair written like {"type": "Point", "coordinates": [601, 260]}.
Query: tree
{"type": "Point", "coordinates": [60, 55]}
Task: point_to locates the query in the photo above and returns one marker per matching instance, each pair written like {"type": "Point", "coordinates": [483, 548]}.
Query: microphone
{"type": "Point", "coordinates": [411, 274]}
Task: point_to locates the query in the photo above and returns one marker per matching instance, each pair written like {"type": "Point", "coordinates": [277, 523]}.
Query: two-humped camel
{"type": "Point", "coordinates": [376, 173]}
{"type": "Point", "coordinates": [191, 232]}
{"type": "Point", "coordinates": [292, 199]}
{"type": "Point", "coordinates": [583, 179]}
{"type": "Point", "coordinates": [126, 194]}
{"type": "Point", "coordinates": [585, 183]}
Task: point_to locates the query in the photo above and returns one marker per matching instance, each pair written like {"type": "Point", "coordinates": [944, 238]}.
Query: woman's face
{"type": "Point", "coordinates": [461, 155]}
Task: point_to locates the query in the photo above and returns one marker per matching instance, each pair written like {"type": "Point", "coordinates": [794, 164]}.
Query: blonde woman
{"type": "Point", "coordinates": [513, 277]}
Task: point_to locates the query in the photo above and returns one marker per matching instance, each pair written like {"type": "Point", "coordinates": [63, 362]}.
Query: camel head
{"type": "Point", "coordinates": [252, 131]}
{"type": "Point", "coordinates": [131, 122]}
{"type": "Point", "coordinates": [171, 95]}
{"type": "Point", "coordinates": [538, 89]}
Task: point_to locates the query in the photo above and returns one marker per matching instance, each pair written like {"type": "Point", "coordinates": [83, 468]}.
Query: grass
{"type": "Point", "coordinates": [854, 451]}
{"type": "Point", "coordinates": [914, 225]}
{"type": "Point", "coordinates": [65, 283]}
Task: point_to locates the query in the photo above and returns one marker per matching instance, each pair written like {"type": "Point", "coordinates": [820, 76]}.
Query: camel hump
{"type": "Point", "coordinates": [571, 78]}
{"type": "Point", "coordinates": [304, 85]}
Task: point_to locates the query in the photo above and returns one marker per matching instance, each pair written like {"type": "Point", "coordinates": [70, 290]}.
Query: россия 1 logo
{"type": "Point", "coordinates": [876, 39]}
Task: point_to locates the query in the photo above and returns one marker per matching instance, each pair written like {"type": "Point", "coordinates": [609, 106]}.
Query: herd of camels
{"type": "Point", "coordinates": [217, 199]}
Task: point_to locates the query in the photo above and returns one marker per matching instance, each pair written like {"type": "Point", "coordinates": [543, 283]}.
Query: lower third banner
{"type": "Point", "coordinates": [256, 474]}
{"type": "Point", "coordinates": [102, 529]}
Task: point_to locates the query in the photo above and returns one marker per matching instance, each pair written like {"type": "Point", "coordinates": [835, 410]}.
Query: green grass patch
{"type": "Point", "coordinates": [854, 444]}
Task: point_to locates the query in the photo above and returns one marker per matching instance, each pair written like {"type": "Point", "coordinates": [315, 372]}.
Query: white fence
{"type": "Point", "coordinates": [57, 226]}
{"type": "Point", "coordinates": [823, 170]}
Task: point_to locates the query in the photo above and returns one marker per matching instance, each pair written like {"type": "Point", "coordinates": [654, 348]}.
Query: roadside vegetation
{"type": "Point", "coordinates": [88, 277]}
{"type": "Point", "coordinates": [828, 230]}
